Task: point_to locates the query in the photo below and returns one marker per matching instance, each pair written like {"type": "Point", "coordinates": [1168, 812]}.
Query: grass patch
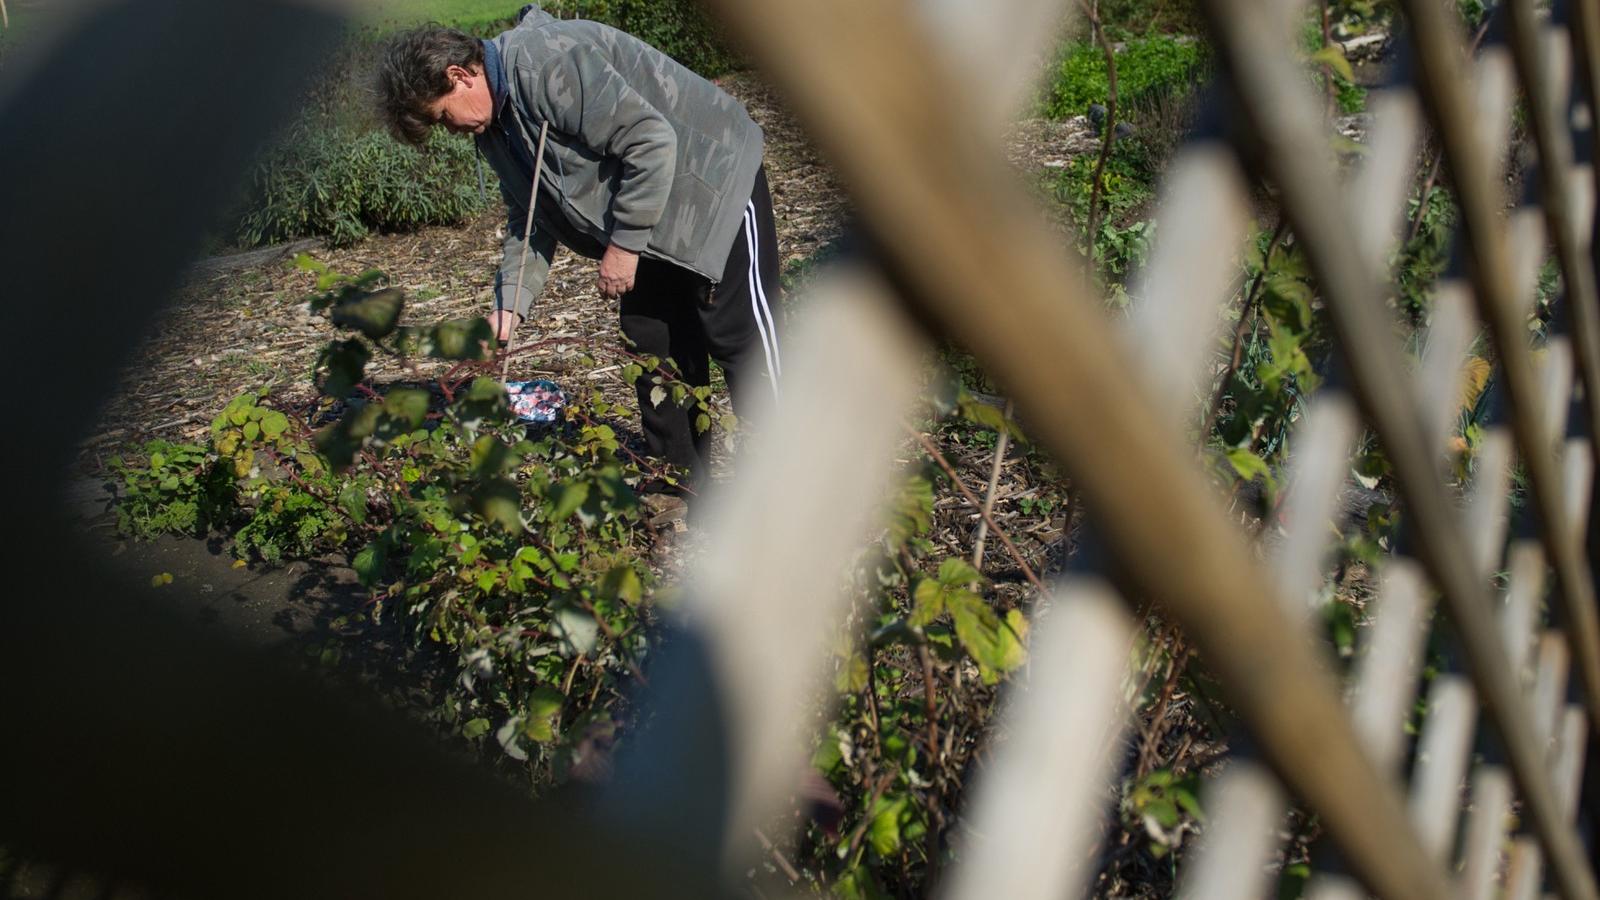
{"type": "Point", "coordinates": [468, 15]}
{"type": "Point", "coordinates": [1148, 70]}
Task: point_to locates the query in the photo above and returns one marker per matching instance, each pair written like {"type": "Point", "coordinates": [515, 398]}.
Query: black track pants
{"type": "Point", "coordinates": [673, 313]}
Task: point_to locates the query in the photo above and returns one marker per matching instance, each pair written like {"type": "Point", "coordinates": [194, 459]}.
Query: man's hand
{"type": "Point", "coordinates": [617, 269]}
{"type": "Point", "coordinates": [503, 322]}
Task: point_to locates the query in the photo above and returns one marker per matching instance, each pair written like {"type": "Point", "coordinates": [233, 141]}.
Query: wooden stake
{"type": "Point", "coordinates": [527, 233]}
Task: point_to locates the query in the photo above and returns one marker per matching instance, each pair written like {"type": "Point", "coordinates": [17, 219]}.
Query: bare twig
{"type": "Point", "coordinates": [1002, 444]}
{"type": "Point", "coordinates": [789, 871]}
{"type": "Point", "coordinates": [1110, 133]}
{"type": "Point", "coordinates": [1016, 555]}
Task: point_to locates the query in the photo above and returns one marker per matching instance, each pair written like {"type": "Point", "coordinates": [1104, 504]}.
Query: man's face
{"type": "Point", "coordinates": [469, 106]}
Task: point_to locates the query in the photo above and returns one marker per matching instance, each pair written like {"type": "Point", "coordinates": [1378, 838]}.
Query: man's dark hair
{"type": "Point", "coordinates": [413, 75]}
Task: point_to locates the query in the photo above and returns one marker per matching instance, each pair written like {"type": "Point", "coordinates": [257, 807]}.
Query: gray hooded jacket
{"type": "Point", "coordinates": [641, 152]}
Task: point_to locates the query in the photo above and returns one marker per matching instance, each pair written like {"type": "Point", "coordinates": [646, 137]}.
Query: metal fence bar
{"type": "Point", "coordinates": [1200, 226]}
{"type": "Point", "coordinates": [766, 604]}
{"type": "Point", "coordinates": [1489, 499]}
{"type": "Point", "coordinates": [1442, 756]}
{"type": "Point", "coordinates": [1570, 746]}
{"type": "Point", "coordinates": [1486, 833]}
{"type": "Point", "coordinates": [1451, 330]}
{"type": "Point", "coordinates": [1526, 871]}
{"type": "Point", "coordinates": [1035, 807]}
{"type": "Point", "coordinates": [1386, 673]}
{"type": "Point", "coordinates": [1381, 187]}
{"type": "Point", "coordinates": [1524, 592]}
{"type": "Point", "coordinates": [1494, 90]}
{"type": "Point", "coordinates": [1318, 471]}
{"type": "Point", "coordinates": [1245, 807]}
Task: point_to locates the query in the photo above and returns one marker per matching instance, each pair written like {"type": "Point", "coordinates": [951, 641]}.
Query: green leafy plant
{"type": "Point", "coordinates": [343, 183]}
{"type": "Point", "coordinates": [1147, 68]}
{"type": "Point", "coordinates": [178, 489]}
{"type": "Point", "coordinates": [678, 28]}
{"type": "Point", "coordinates": [519, 552]}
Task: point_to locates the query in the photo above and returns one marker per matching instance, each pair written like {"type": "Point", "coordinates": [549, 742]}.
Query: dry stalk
{"type": "Point", "coordinates": [1001, 445]}
{"type": "Point", "coordinates": [972, 499]}
{"type": "Point", "coordinates": [1107, 137]}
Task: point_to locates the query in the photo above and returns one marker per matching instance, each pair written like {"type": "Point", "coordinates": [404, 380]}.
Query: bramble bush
{"type": "Point", "coordinates": [518, 551]}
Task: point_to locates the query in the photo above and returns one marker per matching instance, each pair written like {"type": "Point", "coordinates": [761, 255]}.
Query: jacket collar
{"type": "Point", "coordinates": [494, 70]}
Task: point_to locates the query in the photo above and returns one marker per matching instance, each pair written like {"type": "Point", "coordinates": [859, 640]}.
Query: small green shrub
{"type": "Point", "coordinates": [678, 28]}
{"type": "Point", "coordinates": [1147, 69]}
{"type": "Point", "coordinates": [343, 183]}
{"type": "Point", "coordinates": [179, 489]}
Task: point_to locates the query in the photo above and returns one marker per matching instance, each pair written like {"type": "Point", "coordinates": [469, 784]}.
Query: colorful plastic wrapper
{"type": "Point", "coordinates": [536, 402]}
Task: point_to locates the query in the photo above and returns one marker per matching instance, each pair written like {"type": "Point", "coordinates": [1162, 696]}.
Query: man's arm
{"type": "Point", "coordinates": [580, 94]}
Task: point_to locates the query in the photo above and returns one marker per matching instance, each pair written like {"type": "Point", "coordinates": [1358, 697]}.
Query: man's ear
{"type": "Point", "coordinates": [459, 74]}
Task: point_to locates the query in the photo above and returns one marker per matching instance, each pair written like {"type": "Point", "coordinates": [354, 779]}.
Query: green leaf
{"type": "Point", "coordinates": [459, 339]}
{"type": "Point", "coordinates": [622, 582]}
{"type": "Point", "coordinates": [484, 401]}
{"type": "Point", "coordinates": [828, 757]}
{"type": "Point", "coordinates": [568, 496]}
{"type": "Point", "coordinates": [994, 644]}
{"type": "Point", "coordinates": [884, 832]}
{"type": "Point", "coordinates": [474, 729]}
{"type": "Point", "coordinates": [369, 563]}
{"type": "Point", "coordinates": [374, 315]}
{"type": "Point", "coordinates": [1288, 300]}
{"type": "Point", "coordinates": [852, 677]}
{"type": "Point", "coordinates": [912, 513]}
{"type": "Point", "coordinates": [543, 706]}
{"type": "Point", "coordinates": [1248, 465]}
{"type": "Point", "coordinates": [955, 571]}
{"type": "Point", "coordinates": [273, 424]}
{"type": "Point", "coordinates": [344, 364]}
{"type": "Point", "coordinates": [657, 395]}
{"type": "Point", "coordinates": [578, 629]}
{"type": "Point", "coordinates": [491, 456]}
{"type": "Point", "coordinates": [927, 602]}
{"type": "Point", "coordinates": [407, 407]}
{"type": "Point", "coordinates": [1333, 57]}
{"type": "Point", "coordinates": [500, 503]}
{"type": "Point", "coordinates": [305, 262]}
{"type": "Point", "coordinates": [858, 884]}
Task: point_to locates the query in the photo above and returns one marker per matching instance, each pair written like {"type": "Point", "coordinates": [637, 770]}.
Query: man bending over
{"type": "Point", "coordinates": [648, 168]}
